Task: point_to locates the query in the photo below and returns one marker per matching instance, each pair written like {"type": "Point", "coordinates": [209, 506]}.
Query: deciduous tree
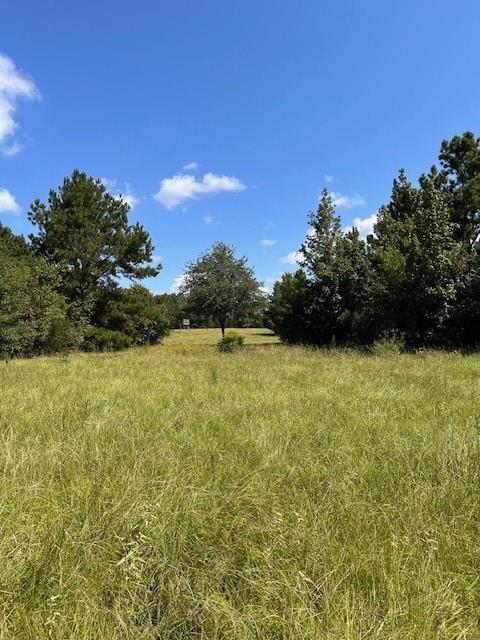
{"type": "Point", "coordinates": [220, 285]}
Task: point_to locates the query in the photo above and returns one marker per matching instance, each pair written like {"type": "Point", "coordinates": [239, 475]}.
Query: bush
{"type": "Point", "coordinates": [101, 339]}
{"type": "Point", "coordinates": [33, 314]}
{"type": "Point", "coordinates": [389, 343]}
{"type": "Point", "coordinates": [230, 342]}
{"type": "Point", "coordinates": [135, 312]}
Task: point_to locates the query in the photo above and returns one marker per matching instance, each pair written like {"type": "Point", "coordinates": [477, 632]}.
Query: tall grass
{"type": "Point", "coordinates": [177, 492]}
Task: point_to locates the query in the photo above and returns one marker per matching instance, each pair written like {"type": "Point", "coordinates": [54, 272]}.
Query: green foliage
{"type": "Point", "coordinates": [288, 310]}
{"type": "Point", "coordinates": [320, 304]}
{"type": "Point", "coordinates": [230, 342]}
{"type": "Point", "coordinates": [65, 280]}
{"type": "Point", "coordinates": [175, 308]}
{"type": "Point", "coordinates": [418, 275]}
{"type": "Point", "coordinates": [459, 178]}
{"type": "Point", "coordinates": [219, 285]}
{"type": "Point", "coordinates": [11, 245]}
{"type": "Point", "coordinates": [84, 232]}
{"type": "Point", "coordinates": [417, 263]}
{"type": "Point", "coordinates": [134, 312]}
{"type": "Point", "coordinates": [339, 272]}
{"type": "Point", "coordinates": [102, 339]}
{"type": "Point", "coordinates": [33, 314]}
{"type": "Point", "coordinates": [388, 343]}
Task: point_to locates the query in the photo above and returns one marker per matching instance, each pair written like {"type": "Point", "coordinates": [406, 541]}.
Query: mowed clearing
{"type": "Point", "coordinates": [177, 492]}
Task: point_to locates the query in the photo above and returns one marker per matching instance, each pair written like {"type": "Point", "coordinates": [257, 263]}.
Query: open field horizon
{"type": "Point", "coordinates": [277, 492]}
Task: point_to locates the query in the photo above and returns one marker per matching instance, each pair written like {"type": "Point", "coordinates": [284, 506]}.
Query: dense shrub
{"type": "Point", "coordinates": [230, 342]}
{"type": "Point", "coordinates": [33, 314]}
{"type": "Point", "coordinates": [389, 343]}
{"type": "Point", "coordinates": [102, 339]}
{"type": "Point", "coordinates": [135, 312]}
{"type": "Point", "coordinates": [289, 313]}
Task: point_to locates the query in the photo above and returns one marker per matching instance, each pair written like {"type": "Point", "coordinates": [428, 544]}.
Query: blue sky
{"type": "Point", "coordinates": [224, 120]}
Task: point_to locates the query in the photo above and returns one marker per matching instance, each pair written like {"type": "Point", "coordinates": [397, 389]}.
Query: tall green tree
{"type": "Point", "coordinates": [318, 258]}
{"type": "Point", "coordinates": [339, 269]}
{"type": "Point", "coordinates": [417, 263]}
{"type": "Point", "coordinates": [220, 285]}
{"type": "Point", "coordinates": [325, 299]}
{"type": "Point", "coordinates": [460, 180]}
{"type": "Point", "coordinates": [84, 232]}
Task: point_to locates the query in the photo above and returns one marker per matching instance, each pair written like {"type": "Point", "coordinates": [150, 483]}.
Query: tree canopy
{"type": "Point", "coordinates": [417, 276]}
{"type": "Point", "coordinates": [85, 233]}
{"type": "Point", "coordinates": [221, 285]}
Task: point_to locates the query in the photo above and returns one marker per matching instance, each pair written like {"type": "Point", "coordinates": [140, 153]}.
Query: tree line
{"type": "Point", "coordinates": [59, 290]}
{"type": "Point", "coordinates": [415, 279]}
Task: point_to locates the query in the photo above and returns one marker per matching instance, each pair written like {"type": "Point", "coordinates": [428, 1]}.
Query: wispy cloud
{"type": "Point", "coordinates": [182, 187]}
{"type": "Point", "coordinates": [365, 225]}
{"type": "Point", "coordinates": [126, 195]}
{"type": "Point", "coordinates": [343, 201]}
{"type": "Point", "coordinates": [177, 283]}
{"type": "Point", "coordinates": [8, 204]}
{"type": "Point", "coordinates": [208, 219]}
{"type": "Point", "coordinates": [328, 179]}
{"type": "Point", "coordinates": [267, 243]}
{"type": "Point", "coordinates": [191, 166]}
{"type": "Point", "coordinates": [12, 149]}
{"type": "Point", "coordinates": [294, 257]}
{"type": "Point", "coordinates": [14, 86]}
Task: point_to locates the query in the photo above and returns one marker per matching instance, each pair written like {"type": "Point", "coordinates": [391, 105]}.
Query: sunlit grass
{"type": "Point", "coordinates": [177, 492]}
{"type": "Point", "coordinates": [198, 339]}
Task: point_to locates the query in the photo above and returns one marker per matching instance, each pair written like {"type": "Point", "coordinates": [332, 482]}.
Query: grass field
{"type": "Point", "coordinates": [176, 492]}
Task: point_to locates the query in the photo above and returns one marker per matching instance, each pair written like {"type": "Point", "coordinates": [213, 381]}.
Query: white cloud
{"type": "Point", "coordinates": [8, 204]}
{"type": "Point", "coordinates": [208, 219]}
{"type": "Point", "coordinates": [14, 85]}
{"type": "Point", "coordinates": [365, 225]}
{"type": "Point", "coordinates": [267, 243]}
{"type": "Point", "coordinates": [177, 283]}
{"type": "Point", "coordinates": [191, 166]}
{"type": "Point", "coordinates": [181, 187]}
{"type": "Point", "coordinates": [128, 196]}
{"type": "Point", "coordinates": [294, 257]}
{"type": "Point", "coordinates": [157, 259]}
{"type": "Point", "coordinates": [343, 201]}
{"type": "Point", "coordinates": [328, 179]}
{"type": "Point", "coordinates": [268, 283]}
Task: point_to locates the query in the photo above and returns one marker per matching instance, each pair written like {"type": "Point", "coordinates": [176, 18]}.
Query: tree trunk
{"type": "Point", "coordinates": [222, 325]}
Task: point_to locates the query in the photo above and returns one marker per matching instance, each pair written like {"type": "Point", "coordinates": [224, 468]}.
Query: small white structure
{"type": "Point", "coordinates": [185, 323]}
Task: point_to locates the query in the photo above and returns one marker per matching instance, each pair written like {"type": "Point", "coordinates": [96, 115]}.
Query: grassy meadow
{"type": "Point", "coordinates": [176, 492]}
